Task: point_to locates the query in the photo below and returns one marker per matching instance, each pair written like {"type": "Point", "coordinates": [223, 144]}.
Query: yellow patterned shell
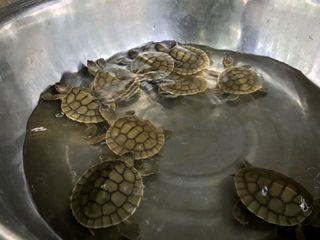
{"type": "Point", "coordinates": [79, 105]}
{"type": "Point", "coordinates": [239, 80]}
{"type": "Point", "coordinates": [188, 60]}
{"type": "Point", "coordinates": [178, 85]}
{"type": "Point", "coordinates": [139, 137]}
{"type": "Point", "coordinates": [272, 196]}
{"type": "Point", "coordinates": [156, 64]}
{"type": "Point", "coordinates": [106, 194]}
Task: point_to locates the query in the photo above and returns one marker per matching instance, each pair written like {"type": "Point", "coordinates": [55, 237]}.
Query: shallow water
{"type": "Point", "coordinates": [193, 194]}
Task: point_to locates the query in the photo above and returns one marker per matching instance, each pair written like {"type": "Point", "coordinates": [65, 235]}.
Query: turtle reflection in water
{"type": "Point", "coordinates": [131, 135]}
{"type": "Point", "coordinates": [274, 198]}
{"type": "Point", "coordinates": [236, 81]}
{"type": "Point", "coordinates": [106, 195]}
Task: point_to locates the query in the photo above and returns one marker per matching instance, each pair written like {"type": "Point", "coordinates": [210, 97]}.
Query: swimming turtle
{"type": "Point", "coordinates": [106, 195]}
{"type": "Point", "coordinates": [115, 87]}
{"type": "Point", "coordinates": [131, 135]}
{"type": "Point", "coordinates": [272, 197]}
{"type": "Point", "coordinates": [78, 104]}
{"type": "Point", "coordinates": [237, 81]}
{"type": "Point", "coordinates": [148, 65]}
{"type": "Point", "coordinates": [188, 60]}
{"type": "Point", "coordinates": [177, 85]}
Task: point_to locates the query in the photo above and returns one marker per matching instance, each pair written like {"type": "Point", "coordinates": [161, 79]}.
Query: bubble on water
{"type": "Point", "coordinates": [59, 115]}
{"type": "Point", "coordinates": [38, 129]}
{"type": "Point", "coordinates": [264, 191]}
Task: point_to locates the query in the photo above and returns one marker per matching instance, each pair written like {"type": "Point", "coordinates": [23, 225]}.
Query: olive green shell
{"type": "Point", "coordinates": [79, 105]}
{"type": "Point", "coordinates": [112, 88]}
{"type": "Point", "coordinates": [239, 80]}
{"type": "Point", "coordinates": [106, 194]}
{"type": "Point", "coordinates": [188, 60]}
{"type": "Point", "coordinates": [178, 85]}
{"type": "Point", "coordinates": [156, 64]}
{"type": "Point", "coordinates": [272, 196]}
{"type": "Point", "coordinates": [139, 137]}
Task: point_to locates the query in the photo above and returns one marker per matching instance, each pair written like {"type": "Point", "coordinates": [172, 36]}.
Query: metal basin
{"type": "Point", "coordinates": [40, 41]}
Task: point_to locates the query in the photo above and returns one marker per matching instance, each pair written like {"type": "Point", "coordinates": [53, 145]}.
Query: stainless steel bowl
{"type": "Point", "coordinates": [40, 40]}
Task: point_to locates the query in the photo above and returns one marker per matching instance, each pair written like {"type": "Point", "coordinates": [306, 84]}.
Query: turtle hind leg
{"type": "Point", "coordinates": [299, 232]}
{"type": "Point", "coordinates": [129, 230]}
{"type": "Point", "coordinates": [241, 213]}
{"type": "Point", "coordinates": [49, 97]}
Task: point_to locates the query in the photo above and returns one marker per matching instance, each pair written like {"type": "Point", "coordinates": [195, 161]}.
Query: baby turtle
{"type": "Point", "coordinates": [176, 85]}
{"type": "Point", "coordinates": [153, 65]}
{"type": "Point", "coordinates": [237, 81]}
{"type": "Point", "coordinates": [78, 104]}
{"type": "Point", "coordinates": [131, 135]}
{"type": "Point", "coordinates": [271, 196]}
{"type": "Point", "coordinates": [188, 60]}
{"type": "Point", "coordinates": [115, 87]}
{"type": "Point", "coordinates": [106, 195]}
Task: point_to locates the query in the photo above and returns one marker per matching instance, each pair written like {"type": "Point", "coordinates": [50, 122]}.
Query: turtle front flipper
{"type": "Point", "coordinates": [129, 230]}
{"type": "Point", "coordinates": [314, 218]}
{"type": "Point", "coordinates": [146, 168]}
{"type": "Point", "coordinates": [231, 97]}
{"type": "Point", "coordinates": [299, 232]}
{"type": "Point", "coordinates": [167, 133]}
{"type": "Point", "coordinates": [97, 139]}
{"type": "Point", "coordinates": [90, 131]}
{"type": "Point", "coordinates": [50, 97]}
{"type": "Point", "coordinates": [241, 213]}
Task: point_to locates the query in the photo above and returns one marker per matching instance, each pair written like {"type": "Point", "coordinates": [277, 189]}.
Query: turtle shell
{"type": "Point", "coordinates": [130, 134]}
{"type": "Point", "coordinates": [107, 194]}
{"type": "Point", "coordinates": [112, 88]}
{"type": "Point", "coordinates": [272, 196]}
{"type": "Point", "coordinates": [79, 105]}
{"type": "Point", "coordinates": [156, 64]}
{"type": "Point", "coordinates": [184, 85]}
{"type": "Point", "coordinates": [189, 60]}
{"type": "Point", "coordinates": [239, 80]}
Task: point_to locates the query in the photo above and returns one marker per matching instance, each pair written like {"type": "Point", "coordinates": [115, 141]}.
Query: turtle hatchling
{"type": "Point", "coordinates": [177, 85]}
{"type": "Point", "coordinates": [106, 195]}
{"type": "Point", "coordinates": [237, 81]}
{"type": "Point", "coordinates": [78, 104]}
{"type": "Point", "coordinates": [272, 197]}
{"type": "Point", "coordinates": [132, 135]}
{"type": "Point", "coordinates": [188, 60]}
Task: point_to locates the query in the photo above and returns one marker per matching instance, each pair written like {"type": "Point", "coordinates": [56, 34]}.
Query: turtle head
{"type": "Point", "coordinates": [228, 61]}
{"type": "Point", "coordinates": [61, 87]}
{"type": "Point", "coordinates": [161, 47]}
{"type": "Point", "coordinates": [95, 66]}
{"type": "Point", "coordinates": [108, 113]}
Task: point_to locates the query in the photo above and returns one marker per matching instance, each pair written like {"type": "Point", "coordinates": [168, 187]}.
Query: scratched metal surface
{"type": "Point", "coordinates": [38, 42]}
